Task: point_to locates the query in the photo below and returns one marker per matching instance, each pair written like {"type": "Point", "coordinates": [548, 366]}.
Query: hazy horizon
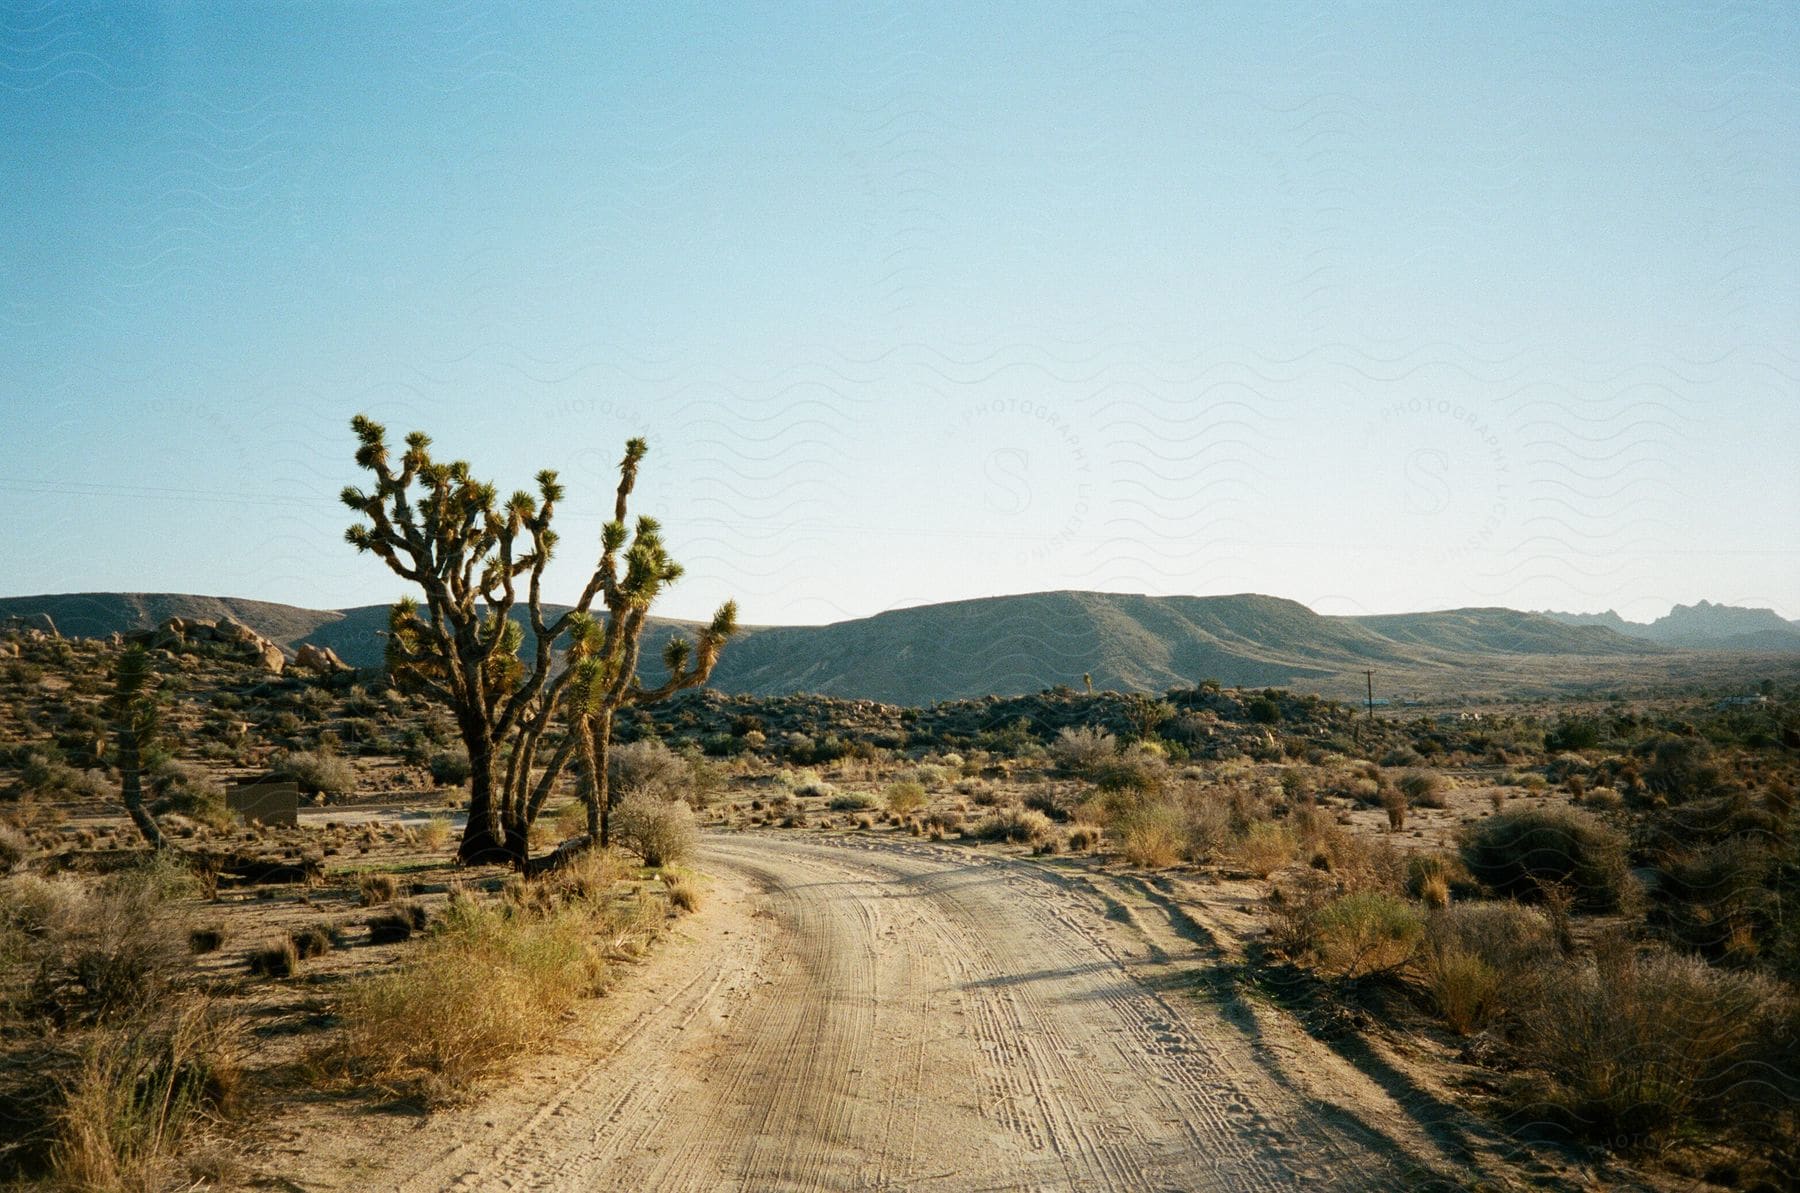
{"type": "Point", "coordinates": [1384, 311]}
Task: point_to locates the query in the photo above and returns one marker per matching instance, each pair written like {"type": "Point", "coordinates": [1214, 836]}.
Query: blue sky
{"type": "Point", "coordinates": [1398, 307]}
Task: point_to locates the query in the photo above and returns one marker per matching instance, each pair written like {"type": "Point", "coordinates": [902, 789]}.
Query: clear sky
{"type": "Point", "coordinates": [1407, 306]}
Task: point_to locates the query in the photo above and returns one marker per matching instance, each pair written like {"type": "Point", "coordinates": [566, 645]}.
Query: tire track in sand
{"type": "Point", "coordinates": [870, 1014]}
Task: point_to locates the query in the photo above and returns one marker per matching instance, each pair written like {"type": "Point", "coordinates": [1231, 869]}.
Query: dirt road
{"type": "Point", "coordinates": [864, 1014]}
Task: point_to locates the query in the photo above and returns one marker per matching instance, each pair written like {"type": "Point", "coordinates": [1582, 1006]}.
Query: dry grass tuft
{"type": "Point", "coordinates": [398, 923]}
{"type": "Point", "coordinates": [278, 959]}
{"type": "Point", "coordinates": [140, 1096]}
{"type": "Point", "coordinates": [492, 983]}
{"type": "Point", "coordinates": [684, 892]}
{"type": "Point", "coordinates": [374, 889]}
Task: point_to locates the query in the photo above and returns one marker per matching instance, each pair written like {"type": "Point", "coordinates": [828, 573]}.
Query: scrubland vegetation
{"type": "Point", "coordinates": [155, 1005]}
{"type": "Point", "coordinates": [1591, 906]}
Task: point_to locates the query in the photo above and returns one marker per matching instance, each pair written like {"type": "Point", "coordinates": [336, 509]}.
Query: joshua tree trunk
{"type": "Point", "coordinates": [134, 713]}
{"type": "Point", "coordinates": [483, 839]}
{"type": "Point", "coordinates": [132, 788]}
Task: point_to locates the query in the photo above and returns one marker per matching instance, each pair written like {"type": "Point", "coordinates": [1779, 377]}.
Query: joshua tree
{"type": "Point", "coordinates": [135, 721]}
{"type": "Point", "coordinates": [604, 661]}
{"type": "Point", "coordinates": [437, 527]}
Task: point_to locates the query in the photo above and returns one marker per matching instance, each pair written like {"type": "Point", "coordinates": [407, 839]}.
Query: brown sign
{"type": "Point", "coordinates": [266, 801]}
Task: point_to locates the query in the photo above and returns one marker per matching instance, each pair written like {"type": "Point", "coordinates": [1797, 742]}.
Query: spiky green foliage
{"type": "Point", "coordinates": [470, 552]}
{"type": "Point", "coordinates": [136, 719]}
{"type": "Point", "coordinates": [603, 655]}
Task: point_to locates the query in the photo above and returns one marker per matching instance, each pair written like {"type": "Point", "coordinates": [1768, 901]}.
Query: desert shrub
{"type": "Point", "coordinates": [1153, 836]}
{"type": "Point", "coordinates": [207, 939]}
{"type": "Point", "coordinates": [1634, 1046]}
{"type": "Point", "coordinates": [434, 834]}
{"type": "Point", "coordinates": [1479, 958]}
{"type": "Point", "coordinates": [1422, 788]}
{"type": "Point", "coordinates": [139, 1096]}
{"type": "Point", "coordinates": [1681, 768]}
{"type": "Point", "coordinates": [658, 830]}
{"type": "Point", "coordinates": [478, 993]}
{"type": "Point", "coordinates": [313, 941]}
{"type": "Point", "coordinates": [850, 801]}
{"type": "Point", "coordinates": [1721, 898]}
{"type": "Point", "coordinates": [587, 877]}
{"type": "Point", "coordinates": [932, 776]}
{"type": "Point", "coordinates": [1083, 837]}
{"type": "Point", "coordinates": [449, 767]}
{"type": "Point", "coordinates": [1517, 853]}
{"type": "Point", "coordinates": [1464, 988]}
{"type": "Point", "coordinates": [1266, 846]}
{"type": "Point", "coordinates": [1137, 771]}
{"type": "Point", "coordinates": [373, 888]}
{"type": "Point", "coordinates": [904, 798]}
{"type": "Point", "coordinates": [1364, 790]}
{"type": "Point", "coordinates": [1263, 711]}
{"type": "Point", "coordinates": [1078, 749]}
{"type": "Point", "coordinates": [1603, 799]}
{"type": "Point", "coordinates": [398, 923]}
{"type": "Point", "coordinates": [15, 847]}
{"type": "Point", "coordinates": [647, 768]}
{"type": "Point", "coordinates": [684, 892]}
{"type": "Point", "coordinates": [180, 788]}
{"type": "Point", "coordinates": [1365, 932]}
{"type": "Point", "coordinates": [277, 959]}
{"type": "Point", "coordinates": [1431, 870]}
{"type": "Point", "coordinates": [317, 772]}
{"type": "Point", "coordinates": [1572, 733]}
{"type": "Point", "coordinates": [1017, 824]}
{"type": "Point", "coordinates": [99, 952]}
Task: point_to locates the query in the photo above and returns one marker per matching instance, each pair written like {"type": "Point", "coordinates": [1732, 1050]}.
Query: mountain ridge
{"type": "Point", "coordinates": [1703, 625]}
{"type": "Point", "coordinates": [1005, 645]}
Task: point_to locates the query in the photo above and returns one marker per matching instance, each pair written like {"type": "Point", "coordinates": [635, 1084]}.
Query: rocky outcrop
{"type": "Point", "coordinates": [322, 659]}
{"type": "Point", "coordinates": [30, 623]}
{"type": "Point", "coordinates": [225, 636]}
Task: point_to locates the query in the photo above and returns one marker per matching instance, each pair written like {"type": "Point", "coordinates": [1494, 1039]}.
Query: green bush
{"type": "Point", "coordinates": [317, 771]}
{"type": "Point", "coordinates": [1480, 958]}
{"type": "Point", "coordinates": [1637, 1046]}
{"type": "Point", "coordinates": [1081, 748]}
{"type": "Point", "coordinates": [660, 831]}
{"type": "Point", "coordinates": [1365, 932]}
{"type": "Point", "coordinates": [905, 797]}
{"type": "Point", "coordinates": [850, 801]}
{"type": "Point", "coordinates": [1518, 853]}
{"type": "Point", "coordinates": [450, 768]}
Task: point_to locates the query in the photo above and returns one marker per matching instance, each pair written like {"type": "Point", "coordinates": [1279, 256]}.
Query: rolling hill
{"type": "Point", "coordinates": [1007, 645]}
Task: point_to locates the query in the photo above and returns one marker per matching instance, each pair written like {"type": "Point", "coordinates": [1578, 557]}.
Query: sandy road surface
{"type": "Point", "coordinates": [863, 1014]}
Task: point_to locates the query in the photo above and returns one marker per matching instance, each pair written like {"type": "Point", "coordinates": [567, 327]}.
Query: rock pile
{"type": "Point", "coordinates": [227, 636]}
{"type": "Point", "coordinates": [322, 659]}
{"type": "Point", "coordinates": [29, 624]}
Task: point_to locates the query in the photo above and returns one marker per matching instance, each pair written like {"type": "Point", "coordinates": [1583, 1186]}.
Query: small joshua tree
{"type": "Point", "coordinates": [437, 527]}
{"type": "Point", "coordinates": [604, 661]}
{"type": "Point", "coordinates": [135, 719]}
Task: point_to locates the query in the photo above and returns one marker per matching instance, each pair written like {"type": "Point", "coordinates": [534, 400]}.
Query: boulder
{"type": "Point", "coordinates": [28, 622]}
{"type": "Point", "coordinates": [202, 631]}
{"type": "Point", "coordinates": [229, 629]}
{"type": "Point", "coordinates": [322, 659]}
{"type": "Point", "coordinates": [270, 656]}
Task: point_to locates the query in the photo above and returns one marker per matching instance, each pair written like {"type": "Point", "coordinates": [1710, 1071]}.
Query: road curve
{"type": "Point", "coordinates": [864, 1013]}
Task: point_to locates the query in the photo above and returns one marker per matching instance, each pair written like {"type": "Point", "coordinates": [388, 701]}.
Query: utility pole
{"type": "Point", "coordinates": [1370, 675]}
